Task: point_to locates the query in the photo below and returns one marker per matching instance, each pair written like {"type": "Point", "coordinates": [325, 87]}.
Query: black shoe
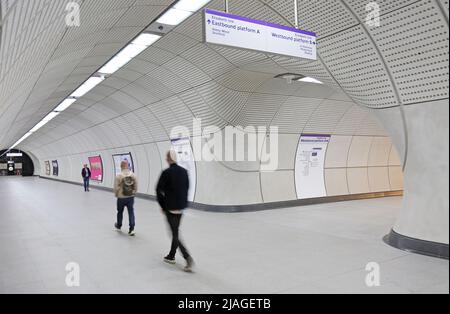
{"type": "Point", "coordinates": [132, 233]}
{"type": "Point", "coordinates": [117, 227]}
{"type": "Point", "coordinates": [170, 260]}
{"type": "Point", "coordinates": [189, 265]}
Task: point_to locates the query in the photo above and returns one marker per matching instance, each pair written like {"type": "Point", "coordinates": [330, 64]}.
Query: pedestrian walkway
{"type": "Point", "coordinates": [316, 249]}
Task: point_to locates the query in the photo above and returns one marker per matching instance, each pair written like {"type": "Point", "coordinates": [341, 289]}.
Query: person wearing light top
{"type": "Point", "coordinates": [125, 189]}
{"type": "Point", "coordinates": [172, 193]}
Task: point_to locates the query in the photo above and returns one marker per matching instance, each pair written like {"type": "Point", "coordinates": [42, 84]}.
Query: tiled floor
{"type": "Point", "coordinates": [44, 225]}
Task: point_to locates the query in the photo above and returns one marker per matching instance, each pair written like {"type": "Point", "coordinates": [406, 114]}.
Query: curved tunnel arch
{"type": "Point", "coordinates": [28, 161]}
{"type": "Point", "coordinates": [221, 85]}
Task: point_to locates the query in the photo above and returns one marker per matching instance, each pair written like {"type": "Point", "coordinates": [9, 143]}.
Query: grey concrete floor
{"type": "Point", "coordinates": [45, 225]}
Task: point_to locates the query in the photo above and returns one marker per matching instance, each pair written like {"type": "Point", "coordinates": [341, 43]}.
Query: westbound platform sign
{"type": "Point", "coordinates": [310, 166]}
{"type": "Point", "coordinates": [241, 32]}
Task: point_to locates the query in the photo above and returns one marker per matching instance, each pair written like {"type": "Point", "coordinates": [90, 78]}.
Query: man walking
{"type": "Point", "coordinates": [86, 174]}
{"type": "Point", "coordinates": [172, 192]}
{"type": "Point", "coordinates": [125, 189]}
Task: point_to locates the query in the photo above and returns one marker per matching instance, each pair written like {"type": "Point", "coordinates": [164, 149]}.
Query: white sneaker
{"type": "Point", "coordinates": [189, 265]}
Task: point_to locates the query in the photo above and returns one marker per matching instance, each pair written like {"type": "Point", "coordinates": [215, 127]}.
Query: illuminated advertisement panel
{"type": "Point", "coordinates": [96, 165]}
{"type": "Point", "coordinates": [47, 168]}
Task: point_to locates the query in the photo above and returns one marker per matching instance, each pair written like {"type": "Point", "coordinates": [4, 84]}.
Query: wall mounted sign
{"type": "Point", "coordinates": [241, 32]}
{"type": "Point", "coordinates": [118, 160]}
{"type": "Point", "coordinates": [55, 168]}
{"type": "Point", "coordinates": [310, 166]}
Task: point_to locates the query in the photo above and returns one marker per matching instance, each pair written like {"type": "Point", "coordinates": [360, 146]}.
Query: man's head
{"type": "Point", "coordinates": [85, 166]}
{"type": "Point", "coordinates": [124, 165]}
{"type": "Point", "coordinates": [171, 157]}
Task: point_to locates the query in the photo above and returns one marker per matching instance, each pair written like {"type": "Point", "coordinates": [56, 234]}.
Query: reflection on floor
{"type": "Point", "coordinates": [44, 225]}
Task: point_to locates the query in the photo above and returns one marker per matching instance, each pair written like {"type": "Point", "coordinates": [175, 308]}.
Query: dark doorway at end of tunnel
{"type": "Point", "coordinates": [15, 163]}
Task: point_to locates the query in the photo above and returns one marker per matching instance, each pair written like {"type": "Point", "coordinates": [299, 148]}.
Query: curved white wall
{"type": "Point", "coordinates": [180, 78]}
{"type": "Point", "coordinates": [360, 158]}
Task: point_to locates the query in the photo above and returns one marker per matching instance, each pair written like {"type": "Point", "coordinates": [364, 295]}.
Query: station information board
{"type": "Point", "coordinates": [310, 166]}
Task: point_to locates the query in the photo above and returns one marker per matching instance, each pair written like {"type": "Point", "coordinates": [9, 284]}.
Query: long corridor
{"type": "Point", "coordinates": [45, 225]}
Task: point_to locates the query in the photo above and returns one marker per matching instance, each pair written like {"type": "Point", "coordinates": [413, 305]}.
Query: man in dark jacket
{"type": "Point", "coordinates": [172, 192]}
{"type": "Point", "coordinates": [86, 174]}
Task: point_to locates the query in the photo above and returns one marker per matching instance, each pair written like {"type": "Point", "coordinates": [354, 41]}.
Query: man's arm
{"type": "Point", "coordinates": [161, 190]}
{"type": "Point", "coordinates": [116, 185]}
{"type": "Point", "coordinates": [135, 185]}
{"type": "Point", "coordinates": [187, 180]}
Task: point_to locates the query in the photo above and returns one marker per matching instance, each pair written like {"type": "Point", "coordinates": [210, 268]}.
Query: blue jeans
{"type": "Point", "coordinates": [86, 184]}
{"type": "Point", "coordinates": [129, 204]}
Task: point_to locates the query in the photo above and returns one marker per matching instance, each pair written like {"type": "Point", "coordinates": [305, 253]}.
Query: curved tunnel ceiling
{"type": "Point", "coordinates": [220, 84]}
{"type": "Point", "coordinates": [397, 72]}
{"type": "Point", "coordinates": [43, 60]}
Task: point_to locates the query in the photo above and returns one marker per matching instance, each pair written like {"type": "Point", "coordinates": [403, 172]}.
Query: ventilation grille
{"type": "Point", "coordinates": [359, 70]}
{"type": "Point", "coordinates": [414, 42]}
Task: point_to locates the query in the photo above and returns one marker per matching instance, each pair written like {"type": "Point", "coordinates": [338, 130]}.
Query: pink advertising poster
{"type": "Point", "coordinates": [96, 165]}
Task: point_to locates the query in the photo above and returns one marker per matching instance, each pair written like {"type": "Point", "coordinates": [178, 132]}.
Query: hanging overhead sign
{"type": "Point", "coordinates": [310, 166]}
{"type": "Point", "coordinates": [14, 155]}
{"type": "Point", "coordinates": [241, 32]}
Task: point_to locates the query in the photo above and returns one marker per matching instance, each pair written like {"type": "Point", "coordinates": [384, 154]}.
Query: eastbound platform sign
{"type": "Point", "coordinates": [241, 32]}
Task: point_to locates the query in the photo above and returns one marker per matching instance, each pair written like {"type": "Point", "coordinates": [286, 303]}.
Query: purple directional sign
{"type": "Point", "coordinates": [241, 32]}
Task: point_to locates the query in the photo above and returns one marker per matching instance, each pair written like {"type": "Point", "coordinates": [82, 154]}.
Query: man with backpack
{"type": "Point", "coordinates": [125, 189]}
{"type": "Point", "coordinates": [172, 192]}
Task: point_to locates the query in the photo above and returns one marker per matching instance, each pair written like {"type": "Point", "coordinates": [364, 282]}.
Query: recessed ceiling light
{"type": "Point", "coordinates": [174, 17]}
{"type": "Point", "coordinates": [146, 39]}
{"type": "Point", "coordinates": [310, 80]}
{"type": "Point", "coordinates": [65, 104]}
{"type": "Point", "coordinates": [131, 51]}
{"type": "Point", "coordinates": [87, 86]}
{"type": "Point", "coordinates": [191, 5]}
{"type": "Point", "coordinates": [21, 140]}
{"type": "Point", "coordinates": [44, 121]}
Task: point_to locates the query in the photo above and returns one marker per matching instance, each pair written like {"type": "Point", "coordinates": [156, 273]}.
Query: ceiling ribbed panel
{"type": "Point", "coordinates": [43, 60]}
{"type": "Point", "coordinates": [180, 77]}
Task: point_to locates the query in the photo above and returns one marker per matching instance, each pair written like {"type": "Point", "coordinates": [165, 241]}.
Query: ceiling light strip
{"type": "Point", "coordinates": [178, 13]}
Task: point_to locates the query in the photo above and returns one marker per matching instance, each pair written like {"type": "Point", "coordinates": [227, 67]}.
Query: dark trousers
{"type": "Point", "coordinates": [129, 204]}
{"type": "Point", "coordinates": [86, 184]}
{"type": "Point", "coordinates": [174, 223]}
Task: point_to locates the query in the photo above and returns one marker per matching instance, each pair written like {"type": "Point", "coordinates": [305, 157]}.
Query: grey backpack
{"type": "Point", "coordinates": [128, 186]}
